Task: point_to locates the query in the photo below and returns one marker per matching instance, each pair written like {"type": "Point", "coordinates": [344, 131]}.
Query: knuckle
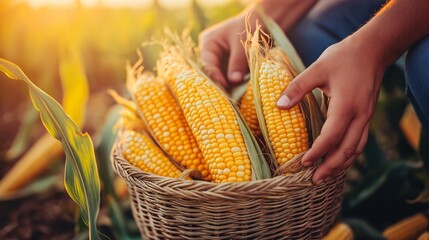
{"type": "Point", "coordinates": [350, 152]}
{"type": "Point", "coordinates": [296, 86]}
{"type": "Point", "coordinates": [327, 140]}
{"type": "Point", "coordinates": [331, 141]}
{"type": "Point", "coordinates": [332, 170]}
{"type": "Point", "coordinates": [363, 111]}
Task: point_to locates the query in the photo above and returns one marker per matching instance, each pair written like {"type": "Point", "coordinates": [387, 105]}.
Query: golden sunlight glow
{"type": "Point", "coordinates": [122, 3]}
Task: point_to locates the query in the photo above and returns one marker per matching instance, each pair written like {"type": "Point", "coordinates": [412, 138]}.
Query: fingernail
{"type": "Point", "coordinates": [283, 101]}
{"type": "Point", "coordinates": [236, 76]}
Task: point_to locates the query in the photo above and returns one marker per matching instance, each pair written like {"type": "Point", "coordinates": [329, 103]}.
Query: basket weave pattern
{"type": "Point", "coordinates": [284, 207]}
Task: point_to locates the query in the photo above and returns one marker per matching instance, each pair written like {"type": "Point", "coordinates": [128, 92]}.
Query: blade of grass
{"type": "Point", "coordinates": [81, 173]}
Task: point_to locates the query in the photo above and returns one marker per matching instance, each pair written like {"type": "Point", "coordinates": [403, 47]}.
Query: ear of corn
{"type": "Point", "coordinates": [30, 164]}
{"type": "Point", "coordinates": [139, 150]}
{"type": "Point", "coordinates": [215, 126]}
{"type": "Point", "coordinates": [229, 149]}
{"type": "Point", "coordinates": [409, 228]}
{"type": "Point", "coordinates": [340, 231]}
{"type": "Point", "coordinates": [247, 108]}
{"type": "Point", "coordinates": [167, 123]}
{"type": "Point", "coordinates": [284, 130]}
{"type": "Point", "coordinates": [315, 113]}
{"type": "Point", "coordinates": [424, 236]}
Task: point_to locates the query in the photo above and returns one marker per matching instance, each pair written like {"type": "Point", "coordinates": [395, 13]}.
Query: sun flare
{"type": "Point", "coordinates": [121, 3]}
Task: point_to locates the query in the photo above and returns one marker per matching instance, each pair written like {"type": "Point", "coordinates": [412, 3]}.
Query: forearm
{"type": "Point", "coordinates": [285, 12]}
{"type": "Point", "coordinates": [394, 29]}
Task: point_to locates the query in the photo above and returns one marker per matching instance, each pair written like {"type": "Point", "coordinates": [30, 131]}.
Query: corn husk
{"type": "Point", "coordinates": [258, 46]}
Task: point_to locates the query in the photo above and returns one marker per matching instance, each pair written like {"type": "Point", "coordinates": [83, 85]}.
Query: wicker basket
{"type": "Point", "coordinates": [284, 207]}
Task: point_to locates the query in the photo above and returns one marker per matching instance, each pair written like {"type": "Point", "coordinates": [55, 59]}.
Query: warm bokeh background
{"type": "Point", "coordinates": [34, 34]}
{"type": "Point", "coordinates": [38, 35]}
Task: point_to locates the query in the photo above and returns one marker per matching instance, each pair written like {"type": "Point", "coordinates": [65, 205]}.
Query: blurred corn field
{"type": "Point", "coordinates": [93, 44]}
{"type": "Point", "coordinates": [104, 37]}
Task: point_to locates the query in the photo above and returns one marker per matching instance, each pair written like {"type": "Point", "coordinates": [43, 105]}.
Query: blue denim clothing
{"type": "Point", "coordinates": [417, 75]}
{"type": "Point", "coordinates": [330, 21]}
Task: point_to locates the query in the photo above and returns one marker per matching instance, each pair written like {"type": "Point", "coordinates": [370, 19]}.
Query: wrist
{"type": "Point", "coordinates": [373, 47]}
{"type": "Point", "coordinates": [386, 36]}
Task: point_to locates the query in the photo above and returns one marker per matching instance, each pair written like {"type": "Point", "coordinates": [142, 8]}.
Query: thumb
{"type": "Point", "coordinates": [237, 64]}
{"type": "Point", "coordinates": [298, 88]}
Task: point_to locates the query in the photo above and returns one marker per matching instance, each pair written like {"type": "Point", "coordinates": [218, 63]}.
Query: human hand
{"type": "Point", "coordinates": [221, 44]}
{"type": "Point", "coordinates": [350, 75]}
{"type": "Point", "coordinates": [223, 54]}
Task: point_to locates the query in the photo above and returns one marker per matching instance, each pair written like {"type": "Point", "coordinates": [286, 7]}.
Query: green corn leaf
{"type": "Point", "coordinates": [81, 174]}
{"type": "Point", "coordinates": [385, 179]}
{"type": "Point", "coordinates": [106, 140]}
{"type": "Point", "coordinates": [260, 168]}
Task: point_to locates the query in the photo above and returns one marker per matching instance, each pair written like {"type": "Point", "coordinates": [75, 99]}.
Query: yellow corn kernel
{"type": "Point", "coordinates": [286, 128]}
{"type": "Point", "coordinates": [140, 151]}
{"type": "Point", "coordinates": [248, 110]}
{"type": "Point", "coordinates": [167, 122]}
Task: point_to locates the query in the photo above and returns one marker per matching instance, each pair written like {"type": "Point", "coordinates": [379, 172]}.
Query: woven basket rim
{"type": "Point", "coordinates": [137, 176]}
{"type": "Point", "coordinates": [189, 209]}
